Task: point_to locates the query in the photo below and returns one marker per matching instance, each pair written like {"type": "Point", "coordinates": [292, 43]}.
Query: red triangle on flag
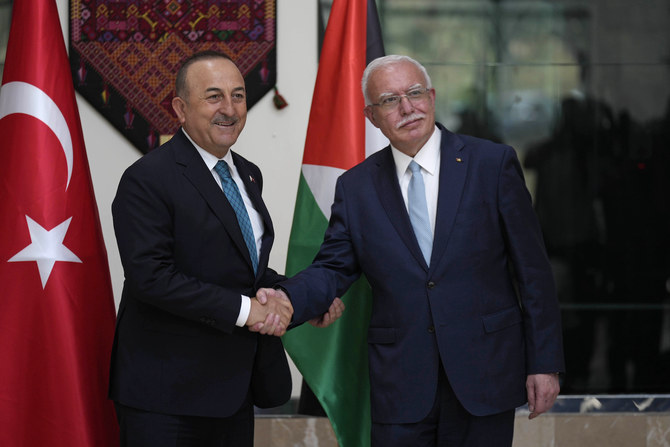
{"type": "Point", "coordinates": [336, 130]}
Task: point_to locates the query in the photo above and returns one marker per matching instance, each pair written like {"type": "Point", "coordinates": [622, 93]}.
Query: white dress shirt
{"type": "Point", "coordinates": [428, 158]}
{"type": "Point", "coordinates": [254, 216]}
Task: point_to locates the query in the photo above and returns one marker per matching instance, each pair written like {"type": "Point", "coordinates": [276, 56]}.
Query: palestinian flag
{"type": "Point", "coordinates": [333, 361]}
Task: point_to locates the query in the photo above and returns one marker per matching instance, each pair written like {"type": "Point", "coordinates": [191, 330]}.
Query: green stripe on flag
{"type": "Point", "coordinates": [333, 360]}
{"type": "Point", "coordinates": [309, 226]}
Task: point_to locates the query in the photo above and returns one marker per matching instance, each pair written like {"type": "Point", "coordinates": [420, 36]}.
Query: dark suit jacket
{"type": "Point", "coordinates": [485, 308]}
{"type": "Point", "coordinates": [176, 348]}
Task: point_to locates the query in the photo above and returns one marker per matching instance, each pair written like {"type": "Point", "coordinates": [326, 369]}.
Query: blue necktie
{"type": "Point", "coordinates": [418, 211]}
{"type": "Point", "coordinates": [235, 199]}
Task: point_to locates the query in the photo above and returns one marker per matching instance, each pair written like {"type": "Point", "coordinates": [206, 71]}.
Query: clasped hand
{"type": "Point", "coordinates": [270, 312]}
{"type": "Point", "coordinates": [275, 323]}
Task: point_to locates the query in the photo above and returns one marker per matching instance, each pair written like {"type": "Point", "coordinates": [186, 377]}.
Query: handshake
{"type": "Point", "coordinates": [271, 313]}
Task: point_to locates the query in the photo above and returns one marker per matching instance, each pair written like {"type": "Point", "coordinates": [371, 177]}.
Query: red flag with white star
{"type": "Point", "coordinates": [56, 305]}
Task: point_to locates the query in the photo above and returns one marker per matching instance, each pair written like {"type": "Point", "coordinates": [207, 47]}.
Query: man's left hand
{"type": "Point", "coordinates": [542, 391]}
{"type": "Point", "coordinates": [334, 313]}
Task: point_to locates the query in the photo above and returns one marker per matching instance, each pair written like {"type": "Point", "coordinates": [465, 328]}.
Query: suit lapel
{"type": "Point", "coordinates": [453, 171]}
{"type": "Point", "coordinates": [197, 173]}
{"type": "Point", "coordinates": [388, 190]}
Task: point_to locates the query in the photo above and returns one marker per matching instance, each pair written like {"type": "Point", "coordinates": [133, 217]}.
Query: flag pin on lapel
{"type": "Point", "coordinates": [251, 179]}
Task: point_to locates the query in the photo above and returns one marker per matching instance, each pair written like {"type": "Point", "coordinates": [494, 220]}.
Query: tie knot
{"type": "Point", "coordinates": [414, 167]}
{"type": "Point", "coordinates": [222, 169]}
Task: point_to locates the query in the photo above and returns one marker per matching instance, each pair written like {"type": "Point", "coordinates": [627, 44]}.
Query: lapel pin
{"type": "Point", "coordinates": [459, 160]}
{"type": "Point", "coordinates": [252, 180]}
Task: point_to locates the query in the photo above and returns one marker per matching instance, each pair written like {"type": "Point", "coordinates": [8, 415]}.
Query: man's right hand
{"type": "Point", "coordinates": [270, 313]}
{"type": "Point", "coordinates": [333, 314]}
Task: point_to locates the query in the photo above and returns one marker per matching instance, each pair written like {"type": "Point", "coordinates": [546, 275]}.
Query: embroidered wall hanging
{"type": "Point", "coordinates": [124, 55]}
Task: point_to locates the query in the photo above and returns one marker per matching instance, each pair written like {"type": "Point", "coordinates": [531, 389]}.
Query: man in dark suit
{"type": "Point", "coordinates": [186, 371]}
{"type": "Point", "coordinates": [465, 324]}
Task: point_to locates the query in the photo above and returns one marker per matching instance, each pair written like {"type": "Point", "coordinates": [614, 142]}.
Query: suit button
{"type": "Point", "coordinates": [431, 329]}
{"type": "Point", "coordinates": [431, 285]}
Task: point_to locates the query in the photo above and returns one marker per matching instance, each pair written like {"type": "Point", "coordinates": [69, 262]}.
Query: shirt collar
{"type": "Point", "coordinates": [209, 159]}
{"type": "Point", "coordinates": [428, 156]}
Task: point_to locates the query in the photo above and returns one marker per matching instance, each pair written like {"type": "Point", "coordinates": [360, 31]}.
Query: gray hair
{"type": "Point", "coordinates": [385, 61]}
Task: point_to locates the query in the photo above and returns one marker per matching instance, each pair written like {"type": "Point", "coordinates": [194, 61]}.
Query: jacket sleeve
{"type": "Point", "coordinates": [531, 269]}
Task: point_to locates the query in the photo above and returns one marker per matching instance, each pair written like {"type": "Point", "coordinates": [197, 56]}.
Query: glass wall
{"type": "Point", "coordinates": [581, 89]}
{"type": "Point", "coordinates": [5, 19]}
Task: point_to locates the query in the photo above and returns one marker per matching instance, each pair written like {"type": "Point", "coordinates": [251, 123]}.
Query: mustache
{"type": "Point", "coordinates": [407, 119]}
{"type": "Point", "coordinates": [226, 120]}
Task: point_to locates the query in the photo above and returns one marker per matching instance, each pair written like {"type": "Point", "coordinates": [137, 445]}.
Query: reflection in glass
{"type": "Point", "coordinates": [5, 20]}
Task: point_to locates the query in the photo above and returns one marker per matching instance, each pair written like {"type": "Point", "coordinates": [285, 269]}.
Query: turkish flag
{"type": "Point", "coordinates": [56, 305]}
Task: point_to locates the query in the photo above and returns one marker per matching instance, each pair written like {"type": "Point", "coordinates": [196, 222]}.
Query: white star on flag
{"type": "Point", "coordinates": [46, 248]}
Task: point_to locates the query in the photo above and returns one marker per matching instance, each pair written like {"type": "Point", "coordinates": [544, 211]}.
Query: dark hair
{"type": "Point", "coordinates": [180, 84]}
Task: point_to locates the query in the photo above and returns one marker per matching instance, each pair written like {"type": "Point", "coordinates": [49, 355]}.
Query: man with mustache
{"type": "Point", "coordinates": [465, 324]}
{"type": "Point", "coordinates": [194, 237]}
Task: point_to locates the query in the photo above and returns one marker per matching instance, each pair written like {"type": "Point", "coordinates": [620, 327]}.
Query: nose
{"type": "Point", "coordinates": [406, 106]}
{"type": "Point", "coordinates": [226, 106]}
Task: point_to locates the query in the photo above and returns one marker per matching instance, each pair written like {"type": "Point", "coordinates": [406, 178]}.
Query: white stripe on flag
{"type": "Point", "coordinates": [374, 139]}
{"type": "Point", "coordinates": [321, 181]}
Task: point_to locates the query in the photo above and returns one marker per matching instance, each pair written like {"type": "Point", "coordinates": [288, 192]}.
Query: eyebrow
{"type": "Point", "coordinates": [218, 90]}
{"type": "Point", "coordinates": [411, 87]}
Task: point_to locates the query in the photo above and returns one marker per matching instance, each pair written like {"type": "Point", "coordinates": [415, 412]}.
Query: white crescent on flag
{"type": "Point", "coordinates": [21, 97]}
{"type": "Point", "coordinates": [47, 245]}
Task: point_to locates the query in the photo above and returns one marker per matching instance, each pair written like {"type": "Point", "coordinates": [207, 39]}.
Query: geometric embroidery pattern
{"type": "Point", "coordinates": [124, 55]}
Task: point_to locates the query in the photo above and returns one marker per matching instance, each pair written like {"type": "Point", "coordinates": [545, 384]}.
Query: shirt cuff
{"type": "Point", "coordinates": [245, 308]}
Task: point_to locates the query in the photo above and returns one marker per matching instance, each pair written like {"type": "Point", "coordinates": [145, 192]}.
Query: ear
{"type": "Point", "coordinates": [369, 114]}
{"type": "Point", "coordinates": [178, 105]}
{"type": "Point", "coordinates": [432, 96]}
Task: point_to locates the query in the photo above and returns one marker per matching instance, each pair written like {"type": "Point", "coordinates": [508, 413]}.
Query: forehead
{"type": "Point", "coordinates": [214, 73]}
{"type": "Point", "coordinates": [395, 77]}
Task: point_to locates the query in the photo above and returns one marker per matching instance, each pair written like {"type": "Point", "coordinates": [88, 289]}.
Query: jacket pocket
{"type": "Point", "coordinates": [502, 319]}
